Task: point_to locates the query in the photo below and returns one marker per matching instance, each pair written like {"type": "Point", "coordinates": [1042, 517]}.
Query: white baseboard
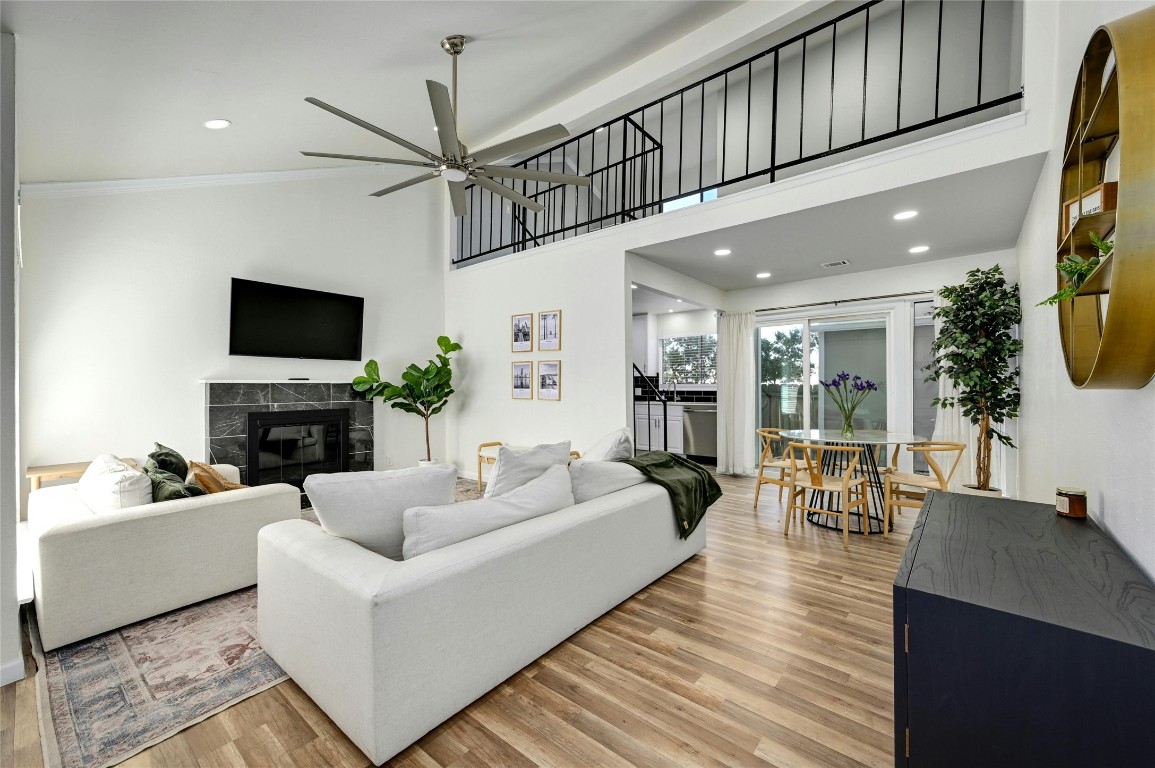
{"type": "Point", "coordinates": [12, 672]}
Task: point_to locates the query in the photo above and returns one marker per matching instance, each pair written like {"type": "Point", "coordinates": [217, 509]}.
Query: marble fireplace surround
{"type": "Point", "coordinates": [228, 403]}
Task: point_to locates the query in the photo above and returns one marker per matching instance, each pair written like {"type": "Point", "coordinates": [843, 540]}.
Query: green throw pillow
{"type": "Point", "coordinates": [168, 460]}
{"type": "Point", "coordinates": [166, 486]}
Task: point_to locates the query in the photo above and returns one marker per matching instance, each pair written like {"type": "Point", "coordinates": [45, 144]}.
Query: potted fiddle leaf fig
{"type": "Point", "coordinates": [975, 349]}
{"type": "Point", "coordinates": [424, 390]}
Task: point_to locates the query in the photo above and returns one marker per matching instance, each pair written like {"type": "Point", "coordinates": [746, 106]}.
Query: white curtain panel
{"type": "Point", "coordinates": [736, 407]}
{"type": "Point", "coordinates": [951, 425]}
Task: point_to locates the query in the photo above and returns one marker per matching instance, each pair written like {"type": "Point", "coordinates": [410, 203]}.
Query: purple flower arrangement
{"type": "Point", "coordinates": [848, 392]}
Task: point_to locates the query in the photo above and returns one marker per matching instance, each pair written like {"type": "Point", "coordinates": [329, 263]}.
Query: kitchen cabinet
{"type": "Point", "coordinates": [1021, 638]}
{"type": "Point", "coordinates": [649, 421]}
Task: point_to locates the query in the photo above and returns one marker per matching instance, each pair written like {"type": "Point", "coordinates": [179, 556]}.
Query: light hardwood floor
{"type": "Point", "coordinates": [763, 650]}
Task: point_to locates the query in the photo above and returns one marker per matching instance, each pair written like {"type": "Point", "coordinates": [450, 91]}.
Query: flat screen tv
{"type": "Point", "coordinates": [268, 320]}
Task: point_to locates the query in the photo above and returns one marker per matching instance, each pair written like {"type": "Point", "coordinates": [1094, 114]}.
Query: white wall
{"type": "Point", "coordinates": [1101, 440]}
{"type": "Point", "coordinates": [11, 660]}
{"type": "Point", "coordinates": [696, 323]}
{"type": "Point", "coordinates": [125, 303]}
{"type": "Point", "coordinates": [587, 281]}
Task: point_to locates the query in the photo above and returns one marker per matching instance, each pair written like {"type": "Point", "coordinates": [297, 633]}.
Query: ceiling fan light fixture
{"type": "Point", "coordinates": [453, 173]}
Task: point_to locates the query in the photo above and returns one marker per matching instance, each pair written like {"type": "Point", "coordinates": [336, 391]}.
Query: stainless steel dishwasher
{"type": "Point", "coordinates": [700, 429]}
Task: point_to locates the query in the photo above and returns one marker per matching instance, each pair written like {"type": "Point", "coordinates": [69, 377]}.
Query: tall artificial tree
{"type": "Point", "coordinates": [976, 350]}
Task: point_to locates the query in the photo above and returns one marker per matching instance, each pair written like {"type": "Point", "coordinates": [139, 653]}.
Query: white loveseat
{"type": "Point", "coordinates": [390, 649]}
{"type": "Point", "coordinates": [96, 571]}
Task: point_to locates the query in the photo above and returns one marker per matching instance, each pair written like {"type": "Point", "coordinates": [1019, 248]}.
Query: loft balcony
{"type": "Point", "coordinates": [883, 74]}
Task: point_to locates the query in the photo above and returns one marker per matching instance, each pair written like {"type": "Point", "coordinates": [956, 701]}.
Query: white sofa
{"type": "Point", "coordinates": [96, 571]}
{"type": "Point", "coordinates": [390, 649]}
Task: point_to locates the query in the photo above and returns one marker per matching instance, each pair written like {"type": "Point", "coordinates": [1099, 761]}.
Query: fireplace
{"type": "Point", "coordinates": [287, 442]}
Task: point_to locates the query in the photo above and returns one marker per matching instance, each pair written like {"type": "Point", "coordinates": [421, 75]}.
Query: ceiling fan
{"type": "Point", "coordinates": [456, 164]}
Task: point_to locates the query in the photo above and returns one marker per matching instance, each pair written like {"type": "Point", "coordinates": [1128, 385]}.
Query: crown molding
{"type": "Point", "coordinates": [82, 188]}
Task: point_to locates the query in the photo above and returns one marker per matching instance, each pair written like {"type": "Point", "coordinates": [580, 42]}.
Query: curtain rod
{"type": "Point", "coordinates": [836, 302]}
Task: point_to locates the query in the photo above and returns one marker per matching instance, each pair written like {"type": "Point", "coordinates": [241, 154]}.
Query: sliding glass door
{"type": "Point", "coordinates": [858, 346]}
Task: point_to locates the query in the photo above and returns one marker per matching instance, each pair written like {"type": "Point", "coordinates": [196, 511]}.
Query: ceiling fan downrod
{"type": "Point", "coordinates": [454, 45]}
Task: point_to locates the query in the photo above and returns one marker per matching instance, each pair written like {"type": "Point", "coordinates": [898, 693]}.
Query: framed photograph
{"type": "Point", "coordinates": [1097, 199]}
{"type": "Point", "coordinates": [549, 330]}
{"type": "Point", "coordinates": [549, 380]}
{"type": "Point", "coordinates": [521, 332]}
{"type": "Point", "coordinates": [523, 380]}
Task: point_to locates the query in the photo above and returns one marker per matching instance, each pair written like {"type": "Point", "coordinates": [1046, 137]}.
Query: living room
{"type": "Point", "coordinates": [133, 218]}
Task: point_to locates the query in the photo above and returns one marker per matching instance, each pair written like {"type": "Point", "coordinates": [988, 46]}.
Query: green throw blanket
{"type": "Point", "coordinates": [691, 487]}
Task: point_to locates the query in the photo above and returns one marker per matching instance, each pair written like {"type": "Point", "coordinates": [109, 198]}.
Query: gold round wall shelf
{"type": "Point", "coordinates": [1108, 329]}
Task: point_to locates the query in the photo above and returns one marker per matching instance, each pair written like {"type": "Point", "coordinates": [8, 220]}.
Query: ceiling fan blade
{"type": "Point", "coordinates": [443, 117]}
{"type": "Point", "coordinates": [457, 197]}
{"type": "Point", "coordinates": [520, 144]}
{"type": "Point", "coordinates": [392, 160]}
{"type": "Point", "coordinates": [504, 172]}
{"type": "Point", "coordinates": [404, 184]}
{"type": "Point", "coordinates": [370, 127]}
{"type": "Point", "coordinates": [509, 194]}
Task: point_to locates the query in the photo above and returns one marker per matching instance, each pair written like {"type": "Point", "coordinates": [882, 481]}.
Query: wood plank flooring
{"type": "Point", "coordinates": [761, 651]}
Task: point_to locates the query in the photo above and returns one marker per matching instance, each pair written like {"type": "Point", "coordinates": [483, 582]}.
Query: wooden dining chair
{"type": "Point", "coordinates": [768, 461]}
{"type": "Point", "coordinates": [906, 489]}
{"type": "Point", "coordinates": [806, 475]}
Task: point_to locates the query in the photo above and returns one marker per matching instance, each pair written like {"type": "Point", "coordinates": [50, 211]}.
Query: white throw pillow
{"type": "Point", "coordinates": [592, 479]}
{"type": "Point", "coordinates": [614, 446]}
{"type": "Point", "coordinates": [515, 468]}
{"type": "Point", "coordinates": [366, 507]}
{"type": "Point", "coordinates": [430, 528]}
{"type": "Point", "coordinates": [110, 484]}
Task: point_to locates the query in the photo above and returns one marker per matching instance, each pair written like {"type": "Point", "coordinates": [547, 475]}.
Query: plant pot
{"type": "Point", "coordinates": [972, 490]}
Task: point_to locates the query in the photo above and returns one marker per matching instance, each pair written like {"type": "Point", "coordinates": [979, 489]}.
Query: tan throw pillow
{"type": "Point", "coordinates": [211, 480]}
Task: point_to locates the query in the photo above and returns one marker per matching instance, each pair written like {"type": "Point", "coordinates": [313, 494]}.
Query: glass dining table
{"type": "Point", "coordinates": [869, 441]}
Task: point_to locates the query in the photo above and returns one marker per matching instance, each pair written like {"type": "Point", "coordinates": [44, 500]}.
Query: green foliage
{"type": "Point", "coordinates": [423, 391]}
{"type": "Point", "coordinates": [1075, 271]}
{"type": "Point", "coordinates": [690, 359]}
{"type": "Point", "coordinates": [974, 348]}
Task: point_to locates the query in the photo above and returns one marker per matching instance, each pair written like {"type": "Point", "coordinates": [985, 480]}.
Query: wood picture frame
{"type": "Point", "coordinates": [521, 332]}
{"type": "Point", "coordinates": [549, 380]}
{"type": "Point", "coordinates": [521, 380]}
{"type": "Point", "coordinates": [1098, 199]}
{"type": "Point", "coordinates": [549, 330]}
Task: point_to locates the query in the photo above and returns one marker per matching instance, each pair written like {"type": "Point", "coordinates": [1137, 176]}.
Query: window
{"type": "Point", "coordinates": [690, 360]}
{"type": "Point", "coordinates": [691, 199]}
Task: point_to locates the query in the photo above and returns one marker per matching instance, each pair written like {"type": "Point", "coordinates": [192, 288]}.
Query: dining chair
{"type": "Point", "coordinates": [808, 476]}
{"type": "Point", "coordinates": [905, 489]}
{"type": "Point", "coordinates": [768, 461]}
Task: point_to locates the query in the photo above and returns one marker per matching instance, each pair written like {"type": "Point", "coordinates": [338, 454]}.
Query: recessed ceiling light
{"type": "Point", "coordinates": [722, 252]}
{"type": "Point", "coordinates": [679, 301]}
{"type": "Point", "coordinates": [599, 130]}
{"type": "Point", "coordinates": [920, 249]}
{"type": "Point", "coordinates": [904, 215]}
{"type": "Point", "coordinates": [762, 275]}
{"type": "Point", "coordinates": [669, 310]}
{"type": "Point", "coordinates": [216, 125]}
{"type": "Point", "coordinates": [435, 127]}
{"type": "Point", "coordinates": [634, 287]}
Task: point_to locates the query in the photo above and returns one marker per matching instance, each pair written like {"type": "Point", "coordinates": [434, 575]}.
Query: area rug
{"type": "Point", "coordinates": [104, 699]}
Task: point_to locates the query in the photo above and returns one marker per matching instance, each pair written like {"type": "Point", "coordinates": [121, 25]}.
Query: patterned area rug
{"type": "Point", "coordinates": [105, 699]}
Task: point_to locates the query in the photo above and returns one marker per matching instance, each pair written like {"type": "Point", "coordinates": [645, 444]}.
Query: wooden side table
{"type": "Point", "coordinates": [37, 475]}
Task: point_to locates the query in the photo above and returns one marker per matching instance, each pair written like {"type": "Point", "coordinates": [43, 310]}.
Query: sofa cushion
{"type": "Point", "coordinates": [166, 486]}
{"type": "Point", "coordinates": [614, 446]}
{"type": "Point", "coordinates": [168, 460]}
{"type": "Point", "coordinates": [210, 479]}
{"type": "Point", "coordinates": [366, 507]}
{"type": "Point", "coordinates": [515, 468]}
{"type": "Point", "coordinates": [429, 528]}
{"type": "Point", "coordinates": [592, 479]}
{"type": "Point", "coordinates": [109, 484]}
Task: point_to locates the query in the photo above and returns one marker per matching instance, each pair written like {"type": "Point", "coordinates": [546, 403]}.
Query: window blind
{"type": "Point", "coordinates": [690, 359]}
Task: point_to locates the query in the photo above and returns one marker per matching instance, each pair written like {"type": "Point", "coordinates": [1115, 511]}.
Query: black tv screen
{"type": "Point", "coordinates": [268, 320]}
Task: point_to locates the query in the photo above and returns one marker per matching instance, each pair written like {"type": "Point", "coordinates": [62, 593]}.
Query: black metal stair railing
{"type": "Point", "coordinates": [876, 74]}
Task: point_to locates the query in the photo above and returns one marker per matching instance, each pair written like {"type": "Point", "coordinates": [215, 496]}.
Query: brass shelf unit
{"type": "Point", "coordinates": [1108, 330]}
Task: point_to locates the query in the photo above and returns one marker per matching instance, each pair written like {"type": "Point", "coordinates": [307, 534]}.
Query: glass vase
{"type": "Point", "coordinates": [848, 424]}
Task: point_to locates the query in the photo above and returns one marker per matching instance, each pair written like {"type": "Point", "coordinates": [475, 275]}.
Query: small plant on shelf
{"type": "Point", "coordinates": [1075, 271]}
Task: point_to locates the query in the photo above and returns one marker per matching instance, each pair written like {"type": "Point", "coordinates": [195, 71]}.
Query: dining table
{"type": "Point", "coordinates": [868, 440]}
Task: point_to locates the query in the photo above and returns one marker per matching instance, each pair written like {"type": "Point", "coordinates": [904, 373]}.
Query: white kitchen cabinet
{"type": "Point", "coordinates": [650, 421]}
